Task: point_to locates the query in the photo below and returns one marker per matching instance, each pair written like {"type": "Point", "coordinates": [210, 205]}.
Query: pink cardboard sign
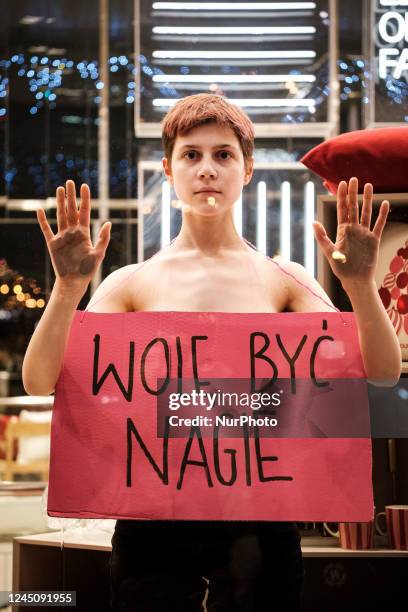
{"type": "Point", "coordinates": [111, 457]}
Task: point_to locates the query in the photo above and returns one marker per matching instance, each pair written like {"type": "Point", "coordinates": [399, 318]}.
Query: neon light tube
{"type": "Point", "coordinates": [227, 6]}
{"type": "Point", "coordinates": [165, 214]}
{"type": "Point", "coordinates": [261, 217]}
{"type": "Point", "coordinates": [234, 30]}
{"type": "Point", "coordinates": [233, 54]}
{"type": "Point", "coordinates": [261, 102]}
{"type": "Point", "coordinates": [309, 241]}
{"type": "Point", "coordinates": [231, 78]}
{"type": "Point", "coordinates": [238, 215]}
{"type": "Point", "coordinates": [285, 246]}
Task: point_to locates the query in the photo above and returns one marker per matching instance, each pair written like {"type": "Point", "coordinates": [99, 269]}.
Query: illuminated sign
{"type": "Point", "coordinates": [393, 29]}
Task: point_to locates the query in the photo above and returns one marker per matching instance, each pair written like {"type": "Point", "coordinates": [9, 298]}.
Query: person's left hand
{"type": "Point", "coordinates": [354, 238]}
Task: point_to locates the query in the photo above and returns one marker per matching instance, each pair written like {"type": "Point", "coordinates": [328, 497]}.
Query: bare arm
{"type": "Point", "coordinates": [75, 261]}
{"type": "Point", "coordinates": [379, 344]}
{"type": "Point", "coordinates": [45, 352]}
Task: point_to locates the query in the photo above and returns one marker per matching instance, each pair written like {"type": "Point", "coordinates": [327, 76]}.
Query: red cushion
{"type": "Point", "coordinates": [378, 156]}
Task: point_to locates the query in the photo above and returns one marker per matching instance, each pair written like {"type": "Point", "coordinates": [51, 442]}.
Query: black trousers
{"type": "Point", "coordinates": [166, 566]}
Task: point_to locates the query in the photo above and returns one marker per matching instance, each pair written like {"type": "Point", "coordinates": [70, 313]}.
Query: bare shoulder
{"type": "Point", "coordinates": [113, 294]}
{"type": "Point", "coordinates": [304, 292]}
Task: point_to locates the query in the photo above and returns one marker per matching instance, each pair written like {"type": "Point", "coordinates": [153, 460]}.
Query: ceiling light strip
{"type": "Point", "coordinates": [232, 6]}
{"type": "Point", "coordinates": [233, 30]}
{"type": "Point", "coordinates": [256, 102]}
{"type": "Point", "coordinates": [234, 78]}
{"type": "Point", "coordinates": [234, 54]}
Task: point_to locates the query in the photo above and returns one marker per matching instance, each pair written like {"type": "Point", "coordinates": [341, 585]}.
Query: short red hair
{"type": "Point", "coordinates": [192, 111]}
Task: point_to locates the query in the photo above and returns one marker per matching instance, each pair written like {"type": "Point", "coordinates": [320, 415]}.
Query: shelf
{"type": "Point", "coordinates": [101, 540]}
{"type": "Point", "coordinates": [27, 401]}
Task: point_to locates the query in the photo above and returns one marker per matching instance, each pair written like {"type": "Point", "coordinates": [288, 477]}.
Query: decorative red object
{"type": "Point", "coordinates": [393, 291]}
{"type": "Point", "coordinates": [396, 264]}
{"type": "Point", "coordinates": [402, 280]}
{"type": "Point", "coordinates": [403, 253]}
{"type": "Point", "coordinates": [396, 319]}
{"type": "Point", "coordinates": [378, 156]}
{"type": "Point", "coordinates": [385, 296]}
{"type": "Point", "coordinates": [402, 304]}
{"type": "Point", "coordinates": [389, 280]}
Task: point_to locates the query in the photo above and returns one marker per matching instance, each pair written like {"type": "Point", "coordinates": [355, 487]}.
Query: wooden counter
{"type": "Point", "coordinates": [334, 576]}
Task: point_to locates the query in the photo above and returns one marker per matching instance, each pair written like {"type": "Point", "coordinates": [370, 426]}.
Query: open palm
{"type": "Point", "coordinates": [74, 258]}
{"type": "Point", "coordinates": [354, 238]}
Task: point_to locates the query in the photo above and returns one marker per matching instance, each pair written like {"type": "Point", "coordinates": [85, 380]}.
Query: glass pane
{"type": "Point", "coordinates": [51, 119]}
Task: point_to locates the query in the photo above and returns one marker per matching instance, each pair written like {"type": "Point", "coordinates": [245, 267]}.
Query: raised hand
{"type": "Point", "coordinates": [74, 258]}
{"type": "Point", "coordinates": [354, 239]}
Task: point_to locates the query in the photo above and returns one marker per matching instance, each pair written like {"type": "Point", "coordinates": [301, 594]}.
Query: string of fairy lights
{"type": "Point", "coordinates": [18, 292]}
{"type": "Point", "coordinates": [44, 78]}
{"type": "Point", "coordinates": [355, 75]}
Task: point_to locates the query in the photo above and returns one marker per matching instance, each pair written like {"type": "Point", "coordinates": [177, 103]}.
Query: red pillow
{"type": "Point", "coordinates": [378, 156]}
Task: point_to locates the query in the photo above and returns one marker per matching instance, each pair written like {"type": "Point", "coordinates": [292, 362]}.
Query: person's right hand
{"type": "Point", "coordinates": [75, 260]}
